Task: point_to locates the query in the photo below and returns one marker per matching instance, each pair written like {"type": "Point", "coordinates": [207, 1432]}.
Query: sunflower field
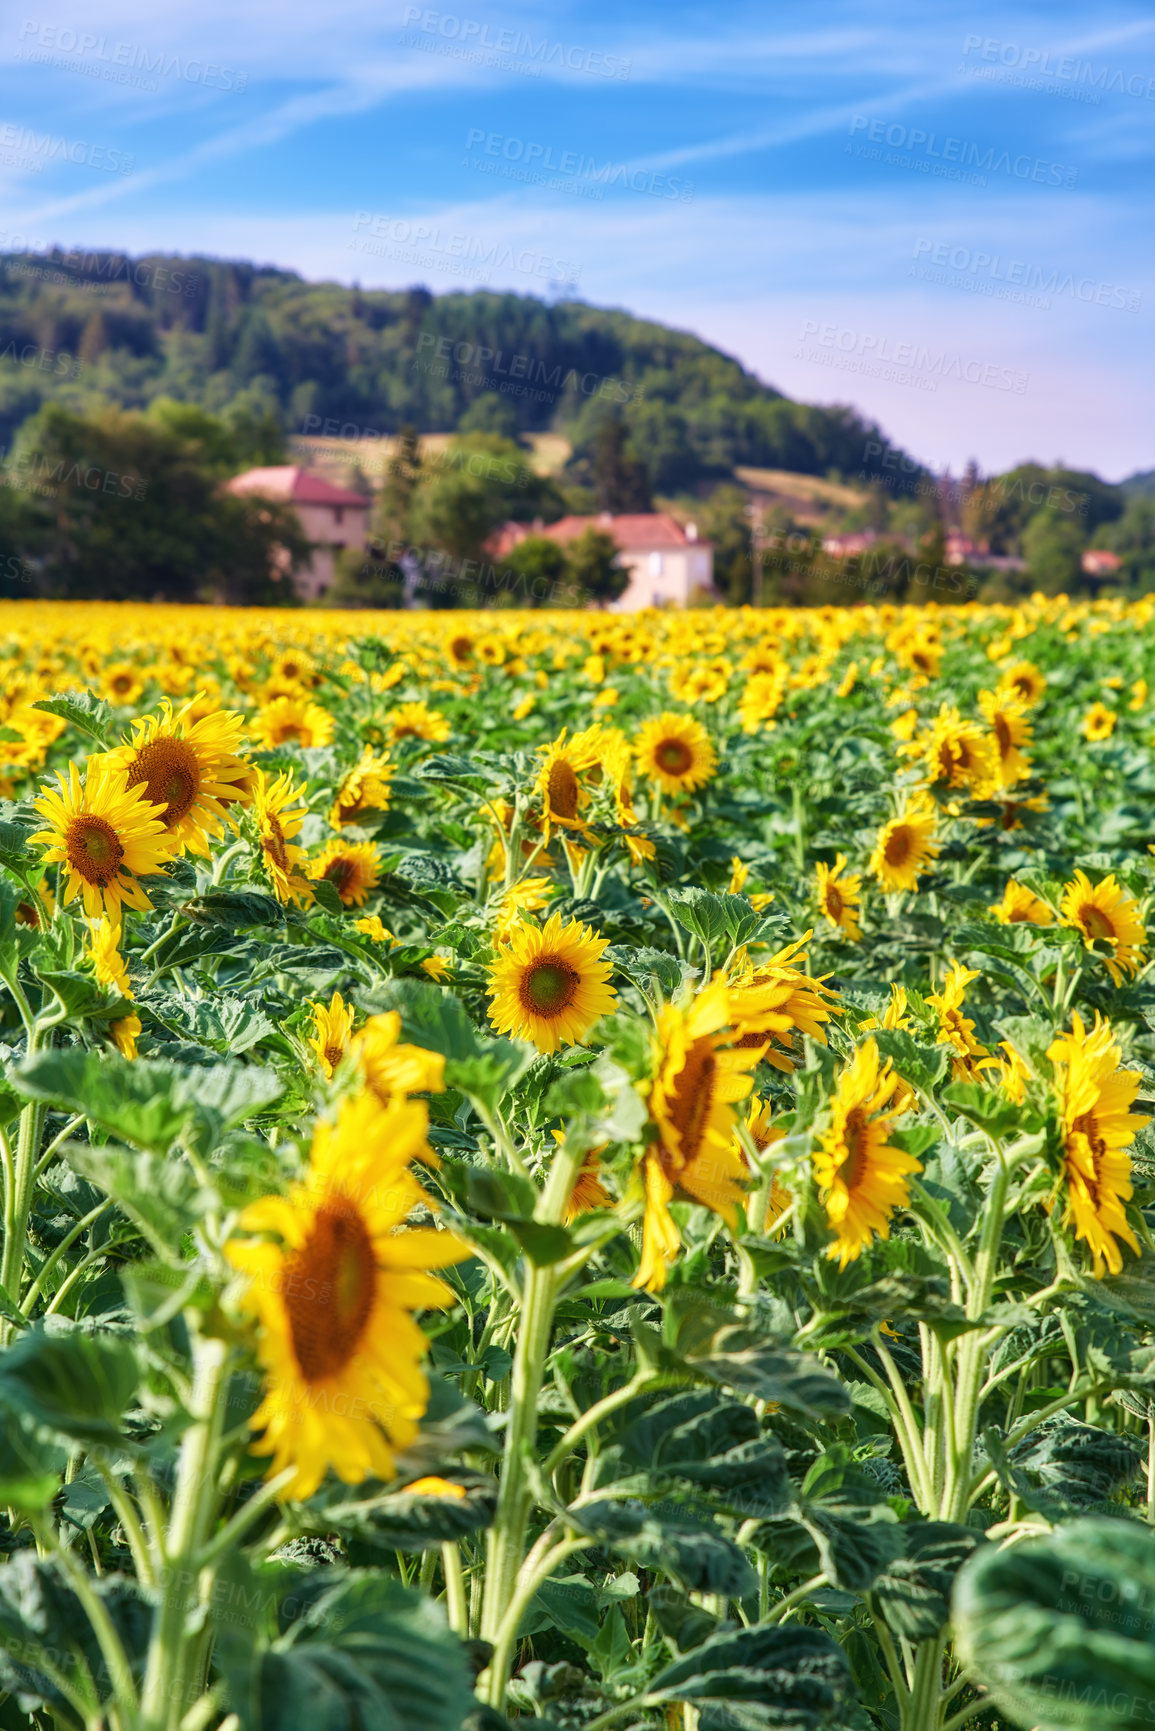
{"type": "Point", "coordinates": [577, 1170]}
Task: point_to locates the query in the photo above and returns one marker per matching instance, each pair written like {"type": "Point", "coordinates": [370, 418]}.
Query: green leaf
{"type": "Point", "coordinates": [740, 1358]}
{"type": "Point", "coordinates": [701, 912]}
{"type": "Point", "coordinates": [160, 1195]}
{"type": "Point", "coordinates": [147, 1102]}
{"type": "Point", "coordinates": [402, 1520]}
{"type": "Point", "coordinates": [914, 1590]}
{"type": "Point", "coordinates": [1061, 1630]}
{"type": "Point", "coordinates": [44, 1630]}
{"type": "Point", "coordinates": [223, 1023]}
{"type": "Point", "coordinates": [31, 1461]}
{"type": "Point", "coordinates": [717, 1445]}
{"type": "Point", "coordinates": [645, 966]}
{"type": "Point", "coordinates": [455, 771]}
{"type": "Point", "coordinates": [14, 850]}
{"type": "Point", "coordinates": [923, 1065]}
{"type": "Point", "coordinates": [543, 1244]}
{"type": "Point", "coordinates": [695, 1552]}
{"type": "Point", "coordinates": [78, 1384]}
{"type": "Point", "coordinates": [326, 897]}
{"type": "Point", "coordinates": [83, 710]}
{"type": "Point", "coordinates": [762, 1679]}
{"type": "Point", "coordinates": [367, 1654]}
{"type": "Point", "coordinates": [234, 908]}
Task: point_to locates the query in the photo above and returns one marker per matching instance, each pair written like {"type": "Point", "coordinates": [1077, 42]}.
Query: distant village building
{"type": "Point", "coordinates": [846, 546]}
{"type": "Point", "coordinates": [1098, 562]}
{"type": "Point", "coordinates": [330, 517]}
{"type": "Point", "coordinates": [669, 565]}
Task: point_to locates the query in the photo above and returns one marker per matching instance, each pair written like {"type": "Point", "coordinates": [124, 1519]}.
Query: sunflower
{"type": "Point", "coordinates": [366, 787]}
{"type": "Point", "coordinates": [699, 1075]}
{"type": "Point", "coordinates": [459, 651]}
{"type": "Point", "coordinates": [374, 927]}
{"type": "Point", "coordinates": [1105, 913]}
{"type": "Point", "coordinates": [125, 1031]}
{"type": "Point", "coordinates": [1098, 1126]}
{"type": "Point", "coordinates": [862, 1177]}
{"type": "Point", "coordinates": [550, 985]}
{"type": "Point", "coordinates": [276, 827]}
{"type": "Point", "coordinates": [417, 721]}
{"type": "Point", "coordinates": [676, 752]}
{"type": "Point", "coordinates": [391, 1069]}
{"type": "Point", "coordinates": [1019, 905]}
{"type": "Point", "coordinates": [190, 769]}
{"type": "Point", "coordinates": [529, 895]}
{"type": "Point", "coordinates": [1023, 681]}
{"type": "Point", "coordinates": [955, 1029]}
{"type": "Point", "coordinates": [905, 846]}
{"type": "Point", "coordinates": [106, 835]}
{"type": "Point", "coordinates": [332, 1028]}
{"type": "Point", "coordinates": [1098, 723]}
{"type": "Point", "coordinates": [1138, 695]}
{"type": "Point", "coordinates": [292, 721]}
{"type": "Point", "coordinates": [958, 753]}
{"type": "Point", "coordinates": [839, 901]}
{"type": "Point", "coordinates": [334, 1300]}
{"type": "Point", "coordinates": [760, 699]}
{"type": "Point", "coordinates": [352, 867]}
{"type": "Point", "coordinates": [559, 785]}
{"type": "Point", "coordinates": [588, 1193]}
{"type": "Point", "coordinates": [107, 961]}
{"type": "Point", "coordinates": [617, 762]}
{"type": "Point", "coordinates": [123, 684]}
{"type": "Point", "coordinates": [770, 1002]}
{"type": "Point", "coordinates": [1014, 1073]}
{"type": "Point", "coordinates": [1011, 732]}
{"type": "Point", "coordinates": [763, 1133]}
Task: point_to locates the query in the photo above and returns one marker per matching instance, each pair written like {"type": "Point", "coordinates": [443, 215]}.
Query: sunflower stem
{"type": "Point", "coordinates": [19, 1193]}
{"type": "Point", "coordinates": [193, 1509]}
{"type": "Point", "coordinates": [506, 1541]}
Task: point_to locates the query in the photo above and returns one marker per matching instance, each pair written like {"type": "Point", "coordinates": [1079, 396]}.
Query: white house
{"type": "Point", "coordinates": [330, 517]}
{"type": "Point", "coordinates": [667, 562]}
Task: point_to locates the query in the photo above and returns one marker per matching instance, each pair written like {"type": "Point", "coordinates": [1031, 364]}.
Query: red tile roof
{"type": "Point", "coordinates": [298, 486]}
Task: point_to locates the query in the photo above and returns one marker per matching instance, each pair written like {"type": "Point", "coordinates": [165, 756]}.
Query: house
{"type": "Point", "coordinates": [1098, 562]}
{"type": "Point", "coordinates": [668, 563]}
{"type": "Point", "coordinates": [331, 517]}
{"type": "Point", "coordinates": [959, 549]}
{"type": "Point", "coordinates": [844, 546]}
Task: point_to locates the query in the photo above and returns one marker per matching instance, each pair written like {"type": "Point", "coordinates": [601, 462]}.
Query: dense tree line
{"type": "Point", "coordinates": [216, 333]}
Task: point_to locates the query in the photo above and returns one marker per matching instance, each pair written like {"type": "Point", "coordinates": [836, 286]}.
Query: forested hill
{"type": "Point", "coordinates": [112, 330]}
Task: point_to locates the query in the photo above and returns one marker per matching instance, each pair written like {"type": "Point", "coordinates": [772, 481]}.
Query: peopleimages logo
{"type": "Point", "coordinates": [473, 35]}
{"type": "Point", "coordinates": [959, 153]}
{"type": "Point", "coordinates": [540, 159]}
{"type": "Point", "coordinates": [126, 57]}
{"type": "Point", "coordinates": [1041, 63]}
{"type": "Point", "coordinates": [1016, 274]}
{"type": "Point", "coordinates": [867, 352]}
{"type": "Point", "coordinates": [39, 148]}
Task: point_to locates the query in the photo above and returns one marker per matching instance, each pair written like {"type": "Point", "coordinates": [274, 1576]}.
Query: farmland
{"type": "Point", "coordinates": [577, 1167]}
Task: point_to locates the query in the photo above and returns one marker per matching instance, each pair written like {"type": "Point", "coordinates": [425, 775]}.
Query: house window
{"type": "Point", "coordinates": [338, 515]}
{"type": "Point", "coordinates": [655, 564]}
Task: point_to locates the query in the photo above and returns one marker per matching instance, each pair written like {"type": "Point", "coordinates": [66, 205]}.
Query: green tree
{"type": "Point", "coordinates": [121, 507]}
{"type": "Point", "coordinates": [1052, 545]}
{"type": "Point", "coordinates": [594, 568]}
{"type": "Point", "coordinates": [365, 577]}
{"type": "Point", "coordinates": [726, 522]}
{"type": "Point", "coordinates": [536, 573]}
{"type": "Point", "coordinates": [620, 480]}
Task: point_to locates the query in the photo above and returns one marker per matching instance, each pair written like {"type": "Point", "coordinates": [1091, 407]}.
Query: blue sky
{"type": "Point", "coordinates": [939, 214]}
